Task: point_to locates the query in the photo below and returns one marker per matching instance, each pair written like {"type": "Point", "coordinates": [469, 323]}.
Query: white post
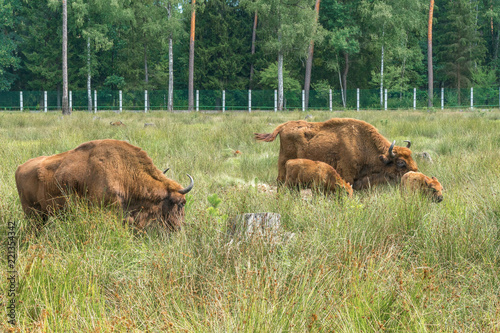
{"type": "Point", "coordinates": [45, 101]}
{"type": "Point", "coordinates": [357, 99]}
{"type": "Point", "coordinates": [303, 100]}
{"type": "Point", "coordinates": [120, 100]}
{"type": "Point", "coordinates": [95, 101]}
{"type": "Point", "coordinates": [70, 100]}
{"type": "Point", "coordinates": [197, 100]}
{"type": "Point", "coordinates": [471, 98]}
{"type": "Point", "coordinates": [145, 101]}
{"type": "Point", "coordinates": [330, 99]}
{"type": "Point", "coordinates": [275, 101]}
{"type": "Point", "coordinates": [223, 101]}
{"type": "Point", "coordinates": [442, 98]}
{"type": "Point", "coordinates": [385, 99]}
{"type": "Point", "coordinates": [249, 100]}
{"type": "Point", "coordinates": [21, 100]}
{"type": "Point", "coordinates": [414, 98]}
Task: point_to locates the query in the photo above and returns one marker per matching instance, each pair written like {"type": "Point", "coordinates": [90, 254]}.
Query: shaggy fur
{"type": "Point", "coordinates": [108, 171]}
{"type": "Point", "coordinates": [354, 148]}
{"type": "Point", "coordinates": [417, 181]}
{"type": "Point", "coordinates": [303, 173]}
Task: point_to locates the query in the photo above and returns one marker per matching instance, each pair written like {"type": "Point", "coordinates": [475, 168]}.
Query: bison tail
{"type": "Point", "coordinates": [269, 137]}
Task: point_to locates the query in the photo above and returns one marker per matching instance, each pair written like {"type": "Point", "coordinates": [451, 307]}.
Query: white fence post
{"type": "Point", "coordinates": [145, 101]}
{"type": "Point", "coordinates": [471, 98]}
{"type": "Point", "coordinates": [442, 98]}
{"type": "Point", "coordinates": [120, 99]}
{"type": "Point", "coordinates": [414, 98]}
{"type": "Point", "coordinates": [330, 99]}
{"type": "Point", "coordinates": [275, 100]}
{"type": "Point", "coordinates": [21, 100]}
{"type": "Point", "coordinates": [303, 100]}
{"type": "Point", "coordinates": [223, 101]}
{"type": "Point", "coordinates": [70, 100]}
{"type": "Point", "coordinates": [357, 99]}
{"type": "Point", "coordinates": [385, 99]}
{"type": "Point", "coordinates": [249, 100]}
{"type": "Point", "coordinates": [197, 100]}
{"type": "Point", "coordinates": [95, 101]}
{"type": "Point", "coordinates": [45, 101]}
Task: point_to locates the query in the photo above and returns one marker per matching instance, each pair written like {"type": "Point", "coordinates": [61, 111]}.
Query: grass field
{"type": "Point", "coordinates": [382, 261]}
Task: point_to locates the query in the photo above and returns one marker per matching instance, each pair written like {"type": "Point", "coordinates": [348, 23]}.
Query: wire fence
{"type": "Point", "coordinates": [249, 100]}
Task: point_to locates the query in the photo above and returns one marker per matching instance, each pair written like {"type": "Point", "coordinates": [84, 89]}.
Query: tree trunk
{"type": "Point", "coordinates": [65, 99]}
{"type": "Point", "coordinates": [146, 73]}
{"type": "Point", "coordinates": [280, 81]}
{"type": "Point", "coordinates": [430, 70]}
{"type": "Point", "coordinates": [382, 72]}
{"type": "Point", "coordinates": [170, 106]}
{"type": "Point", "coordinates": [496, 44]}
{"type": "Point", "coordinates": [254, 33]}
{"type": "Point", "coordinates": [191, 58]}
{"type": "Point", "coordinates": [307, 79]}
{"type": "Point", "coordinates": [344, 76]}
{"type": "Point", "coordinates": [89, 78]}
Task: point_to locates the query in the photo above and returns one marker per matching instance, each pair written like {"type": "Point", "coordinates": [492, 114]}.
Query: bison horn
{"type": "Point", "coordinates": [391, 154]}
{"type": "Point", "coordinates": [165, 171]}
{"type": "Point", "coordinates": [408, 143]}
{"type": "Point", "coordinates": [189, 188]}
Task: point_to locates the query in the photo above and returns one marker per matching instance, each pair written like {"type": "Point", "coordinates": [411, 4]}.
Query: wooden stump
{"type": "Point", "coordinates": [250, 225]}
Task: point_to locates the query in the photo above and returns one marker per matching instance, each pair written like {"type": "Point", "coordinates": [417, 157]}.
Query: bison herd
{"type": "Point", "coordinates": [335, 156]}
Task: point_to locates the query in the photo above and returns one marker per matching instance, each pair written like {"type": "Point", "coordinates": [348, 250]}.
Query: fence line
{"type": "Point", "coordinates": [248, 100]}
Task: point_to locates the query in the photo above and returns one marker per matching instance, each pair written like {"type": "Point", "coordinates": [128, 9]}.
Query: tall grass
{"type": "Point", "coordinates": [382, 261]}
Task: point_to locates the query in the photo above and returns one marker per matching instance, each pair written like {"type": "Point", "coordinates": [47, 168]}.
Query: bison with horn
{"type": "Point", "coordinates": [354, 148]}
{"type": "Point", "coordinates": [103, 171]}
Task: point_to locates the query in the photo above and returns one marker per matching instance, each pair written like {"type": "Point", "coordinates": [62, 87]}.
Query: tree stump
{"type": "Point", "coordinates": [249, 225]}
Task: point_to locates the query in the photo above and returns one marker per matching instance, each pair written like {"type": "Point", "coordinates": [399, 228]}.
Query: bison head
{"type": "Point", "coordinates": [435, 189]}
{"type": "Point", "coordinates": [167, 209]}
{"type": "Point", "coordinates": [398, 160]}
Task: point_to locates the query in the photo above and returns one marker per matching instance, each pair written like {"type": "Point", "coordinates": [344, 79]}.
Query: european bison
{"type": "Point", "coordinates": [103, 171]}
{"type": "Point", "coordinates": [417, 181]}
{"type": "Point", "coordinates": [354, 148]}
{"type": "Point", "coordinates": [314, 174]}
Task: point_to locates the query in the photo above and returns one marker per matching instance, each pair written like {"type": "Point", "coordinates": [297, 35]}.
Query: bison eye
{"type": "Point", "coordinates": [401, 163]}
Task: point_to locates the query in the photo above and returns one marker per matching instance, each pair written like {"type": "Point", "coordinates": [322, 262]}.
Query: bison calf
{"type": "Point", "coordinates": [314, 174]}
{"type": "Point", "coordinates": [417, 181]}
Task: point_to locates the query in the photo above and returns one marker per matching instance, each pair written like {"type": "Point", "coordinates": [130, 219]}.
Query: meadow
{"type": "Point", "coordinates": [381, 261]}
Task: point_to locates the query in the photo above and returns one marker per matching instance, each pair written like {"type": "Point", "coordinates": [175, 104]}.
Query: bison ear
{"type": "Point", "coordinates": [384, 159]}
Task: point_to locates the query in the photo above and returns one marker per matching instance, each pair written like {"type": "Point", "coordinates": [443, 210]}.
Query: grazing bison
{"type": "Point", "coordinates": [314, 174]}
{"type": "Point", "coordinates": [103, 171]}
{"type": "Point", "coordinates": [354, 148]}
{"type": "Point", "coordinates": [417, 181]}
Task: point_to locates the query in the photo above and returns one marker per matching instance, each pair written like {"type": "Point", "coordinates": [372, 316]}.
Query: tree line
{"type": "Point", "coordinates": [249, 44]}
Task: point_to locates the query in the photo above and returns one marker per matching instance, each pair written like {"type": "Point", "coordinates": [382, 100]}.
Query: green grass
{"type": "Point", "coordinates": [382, 261]}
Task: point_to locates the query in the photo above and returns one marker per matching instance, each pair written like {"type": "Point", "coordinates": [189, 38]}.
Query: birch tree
{"type": "Point", "coordinates": [430, 69]}
{"type": "Point", "coordinates": [65, 101]}
{"type": "Point", "coordinates": [307, 77]}
{"type": "Point", "coordinates": [287, 27]}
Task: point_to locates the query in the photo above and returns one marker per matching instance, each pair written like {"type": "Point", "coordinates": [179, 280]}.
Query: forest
{"type": "Point", "coordinates": [238, 44]}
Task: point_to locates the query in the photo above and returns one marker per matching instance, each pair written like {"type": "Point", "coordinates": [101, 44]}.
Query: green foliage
{"type": "Point", "coordinates": [268, 78]}
{"type": "Point", "coordinates": [126, 37]}
{"type": "Point", "coordinates": [114, 82]}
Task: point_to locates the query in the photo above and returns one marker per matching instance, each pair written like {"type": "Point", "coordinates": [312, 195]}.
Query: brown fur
{"type": "Point", "coordinates": [354, 148]}
{"type": "Point", "coordinates": [109, 171]}
{"type": "Point", "coordinates": [417, 181]}
{"type": "Point", "coordinates": [117, 123]}
{"type": "Point", "coordinates": [314, 174]}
